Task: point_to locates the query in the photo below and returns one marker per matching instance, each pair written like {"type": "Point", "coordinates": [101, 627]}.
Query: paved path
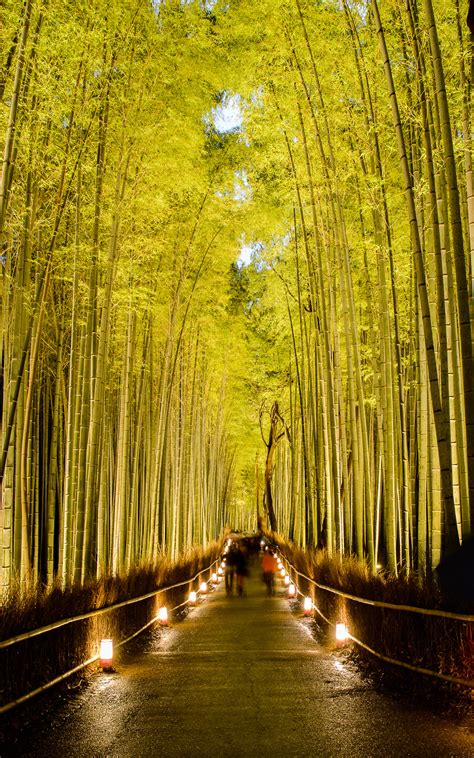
{"type": "Point", "coordinates": [241, 677]}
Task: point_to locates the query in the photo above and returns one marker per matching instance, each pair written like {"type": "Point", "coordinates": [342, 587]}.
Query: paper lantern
{"type": "Point", "coordinates": [341, 632]}
{"type": "Point", "coordinates": [292, 590]}
{"type": "Point", "coordinates": [192, 598]}
{"type": "Point", "coordinates": [307, 606]}
{"type": "Point", "coordinates": [106, 653]}
{"type": "Point", "coordinates": [163, 616]}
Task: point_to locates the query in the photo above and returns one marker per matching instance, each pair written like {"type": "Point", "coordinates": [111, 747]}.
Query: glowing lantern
{"type": "Point", "coordinates": [220, 570]}
{"type": "Point", "coordinates": [192, 598]}
{"type": "Point", "coordinates": [106, 654]}
{"type": "Point", "coordinates": [292, 590]}
{"type": "Point", "coordinates": [262, 543]}
{"type": "Point", "coordinates": [163, 616]}
{"type": "Point", "coordinates": [307, 606]}
{"type": "Point", "coordinates": [203, 588]}
{"type": "Point", "coordinates": [214, 578]}
{"type": "Point", "coordinates": [282, 572]}
{"type": "Point", "coordinates": [287, 580]}
{"type": "Point", "coordinates": [341, 632]}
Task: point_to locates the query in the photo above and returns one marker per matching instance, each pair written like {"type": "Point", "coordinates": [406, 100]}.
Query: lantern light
{"type": "Point", "coordinates": [282, 572]}
{"type": "Point", "coordinates": [203, 588]}
{"type": "Point", "coordinates": [292, 590]}
{"type": "Point", "coordinates": [106, 654]}
{"type": "Point", "coordinates": [214, 578]}
{"type": "Point", "coordinates": [342, 632]}
{"type": "Point", "coordinates": [287, 580]}
{"type": "Point", "coordinates": [220, 571]}
{"type": "Point", "coordinates": [307, 606]}
{"type": "Point", "coordinates": [192, 598]}
{"type": "Point", "coordinates": [163, 616]}
{"type": "Point", "coordinates": [262, 543]}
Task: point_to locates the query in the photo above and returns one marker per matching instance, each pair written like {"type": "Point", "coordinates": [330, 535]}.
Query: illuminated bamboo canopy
{"type": "Point", "coordinates": [218, 226]}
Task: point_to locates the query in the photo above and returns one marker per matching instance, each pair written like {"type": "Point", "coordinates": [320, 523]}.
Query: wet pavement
{"type": "Point", "coordinates": [238, 677]}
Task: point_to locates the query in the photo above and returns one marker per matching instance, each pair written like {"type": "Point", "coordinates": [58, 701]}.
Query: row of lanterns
{"type": "Point", "coordinates": [292, 591]}
{"type": "Point", "coordinates": [342, 633]}
{"type": "Point", "coordinates": [106, 648]}
{"type": "Point", "coordinates": [106, 645]}
{"type": "Point", "coordinates": [106, 651]}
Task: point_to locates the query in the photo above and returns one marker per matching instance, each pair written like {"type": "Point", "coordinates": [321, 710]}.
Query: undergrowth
{"type": "Point", "coordinates": [31, 663]}
{"type": "Point", "coordinates": [443, 645]}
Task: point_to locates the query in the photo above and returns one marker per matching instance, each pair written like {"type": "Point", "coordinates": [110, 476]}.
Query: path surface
{"type": "Point", "coordinates": [240, 677]}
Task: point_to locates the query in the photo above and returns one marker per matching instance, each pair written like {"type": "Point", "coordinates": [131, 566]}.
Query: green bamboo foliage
{"type": "Point", "coordinates": [381, 319]}
{"type": "Point", "coordinates": [138, 357]}
{"type": "Point", "coordinates": [115, 445]}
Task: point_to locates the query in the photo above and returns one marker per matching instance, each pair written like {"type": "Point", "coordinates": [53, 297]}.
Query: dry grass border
{"type": "Point", "coordinates": [443, 645]}
{"type": "Point", "coordinates": [33, 662]}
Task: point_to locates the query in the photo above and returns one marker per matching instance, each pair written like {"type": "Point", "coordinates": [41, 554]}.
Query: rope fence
{"type": "Point", "coordinates": [63, 622]}
{"type": "Point", "coordinates": [467, 618]}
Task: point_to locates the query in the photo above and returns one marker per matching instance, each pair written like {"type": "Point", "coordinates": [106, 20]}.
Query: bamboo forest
{"type": "Point", "coordinates": [237, 258]}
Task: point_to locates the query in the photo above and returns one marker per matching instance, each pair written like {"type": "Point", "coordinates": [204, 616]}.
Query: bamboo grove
{"type": "Point", "coordinates": [139, 359]}
{"type": "Point", "coordinates": [370, 106]}
{"type": "Point", "coordinates": [113, 420]}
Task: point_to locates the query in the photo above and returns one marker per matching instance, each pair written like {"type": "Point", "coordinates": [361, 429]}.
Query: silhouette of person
{"type": "Point", "coordinates": [269, 568]}
{"type": "Point", "coordinates": [241, 570]}
{"type": "Point", "coordinates": [230, 568]}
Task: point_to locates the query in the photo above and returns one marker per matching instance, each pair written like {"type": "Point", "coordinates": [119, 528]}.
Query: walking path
{"type": "Point", "coordinates": [241, 677]}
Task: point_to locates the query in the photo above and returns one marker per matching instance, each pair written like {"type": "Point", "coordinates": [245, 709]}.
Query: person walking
{"type": "Point", "coordinates": [269, 568]}
{"type": "Point", "coordinates": [241, 569]}
{"type": "Point", "coordinates": [230, 569]}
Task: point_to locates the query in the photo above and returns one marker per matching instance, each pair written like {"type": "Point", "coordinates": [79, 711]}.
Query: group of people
{"type": "Point", "coordinates": [237, 565]}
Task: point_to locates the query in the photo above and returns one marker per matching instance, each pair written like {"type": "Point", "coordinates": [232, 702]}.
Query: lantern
{"type": "Point", "coordinates": [163, 616]}
{"type": "Point", "coordinates": [292, 590]}
{"type": "Point", "coordinates": [220, 571]}
{"type": "Point", "coordinates": [282, 572]}
{"type": "Point", "coordinates": [341, 632]}
{"type": "Point", "coordinates": [287, 580]}
{"type": "Point", "coordinates": [214, 578]}
{"type": "Point", "coordinates": [307, 606]}
{"type": "Point", "coordinates": [192, 598]}
{"type": "Point", "coordinates": [106, 654]}
{"type": "Point", "coordinates": [203, 588]}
